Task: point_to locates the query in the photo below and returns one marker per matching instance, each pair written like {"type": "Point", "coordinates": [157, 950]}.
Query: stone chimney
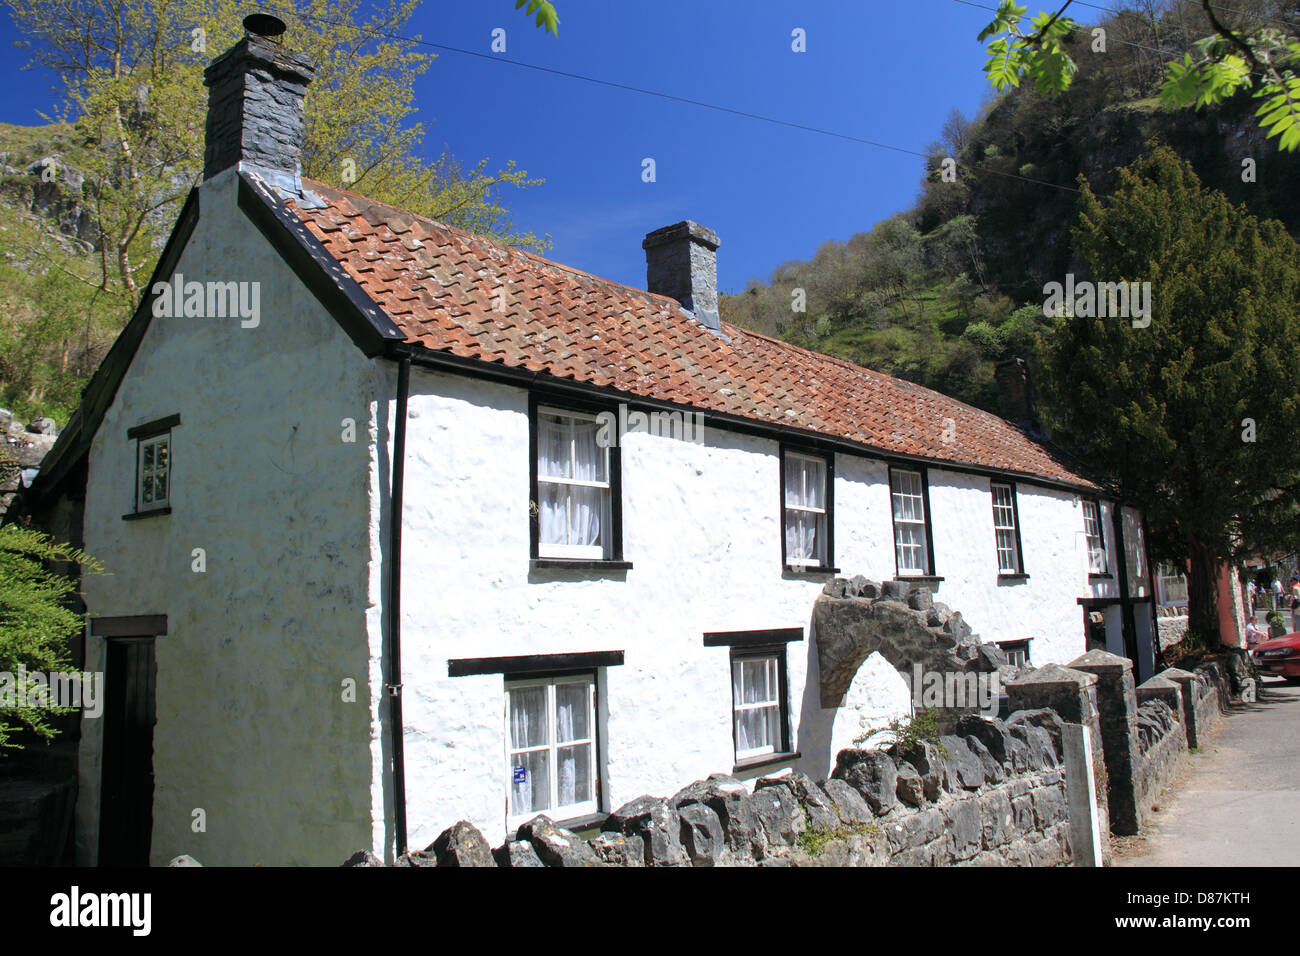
{"type": "Point", "coordinates": [682, 263]}
{"type": "Point", "coordinates": [255, 120]}
{"type": "Point", "coordinates": [1015, 402]}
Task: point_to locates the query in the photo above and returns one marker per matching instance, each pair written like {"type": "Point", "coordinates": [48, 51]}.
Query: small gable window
{"type": "Point", "coordinates": [153, 466]}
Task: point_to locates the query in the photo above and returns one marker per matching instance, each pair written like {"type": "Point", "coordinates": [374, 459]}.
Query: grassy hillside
{"type": "Point", "coordinates": [940, 292]}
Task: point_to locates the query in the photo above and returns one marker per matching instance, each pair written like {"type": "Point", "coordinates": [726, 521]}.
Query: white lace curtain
{"type": "Point", "coordinates": [805, 515]}
{"type": "Point", "coordinates": [570, 514]}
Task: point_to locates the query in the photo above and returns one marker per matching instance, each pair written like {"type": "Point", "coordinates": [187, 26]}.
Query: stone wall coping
{"type": "Point", "coordinates": [1158, 682]}
{"type": "Point", "coordinates": [1055, 674]}
{"type": "Point", "coordinates": [1099, 661]}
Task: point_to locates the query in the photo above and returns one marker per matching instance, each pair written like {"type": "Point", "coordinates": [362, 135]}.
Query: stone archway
{"type": "Point", "coordinates": [853, 619]}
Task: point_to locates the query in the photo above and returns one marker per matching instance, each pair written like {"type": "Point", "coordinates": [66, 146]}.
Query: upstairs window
{"type": "Point", "coordinates": [1005, 531]}
{"type": "Point", "coordinates": [806, 482]}
{"type": "Point", "coordinates": [1095, 538]}
{"type": "Point", "coordinates": [911, 523]}
{"type": "Point", "coordinates": [575, 491]}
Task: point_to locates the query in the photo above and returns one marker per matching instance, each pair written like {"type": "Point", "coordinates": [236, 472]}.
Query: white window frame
{"type": "Point", "coordinates": [774, 658]}
{"type": "Point", "coordinates": [553, 810]}
{"type": "Point", "coordinates": [594, 552]}
{"type": "Point", "coordinates": [1097, 560]}
{"type": "Point", "coordinates": [163, 439]}
{"type": "Point", "coordinates": [1163, 580]}
{"type": "Point", "coordinates": [919, 496]}
{"type": "Point", "coordinates": [1004, 523]}
{"type": "Point", "coordinates": [822, 559]}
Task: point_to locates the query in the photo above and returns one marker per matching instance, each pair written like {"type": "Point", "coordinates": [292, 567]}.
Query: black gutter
{"type": "Point", "coordinates": [395, 600]}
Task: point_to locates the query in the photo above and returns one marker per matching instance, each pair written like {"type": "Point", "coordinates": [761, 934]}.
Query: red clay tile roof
{"type": "Point", "coordinates": [453, 292]}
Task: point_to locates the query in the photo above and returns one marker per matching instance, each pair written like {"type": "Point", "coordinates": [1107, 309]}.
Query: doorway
{"type": "Point", "coordinates": [126, 790]}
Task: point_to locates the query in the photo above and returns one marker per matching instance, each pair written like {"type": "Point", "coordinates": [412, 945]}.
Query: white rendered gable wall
{"type": "Point", "coordinates": [251, 725]}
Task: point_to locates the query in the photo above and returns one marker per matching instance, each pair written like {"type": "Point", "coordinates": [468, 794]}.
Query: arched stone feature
{"type": "Point", "coordinates": [854, 619]}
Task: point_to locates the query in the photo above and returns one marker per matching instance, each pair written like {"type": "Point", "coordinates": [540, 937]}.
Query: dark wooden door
{"type": "Point", "coordinates": [126, 793]}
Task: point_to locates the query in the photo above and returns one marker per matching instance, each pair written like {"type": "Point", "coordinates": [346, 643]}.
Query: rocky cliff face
{"type": "Point", "coordinates": [22, 447]}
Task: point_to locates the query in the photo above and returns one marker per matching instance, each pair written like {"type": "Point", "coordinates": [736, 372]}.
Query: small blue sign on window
{"type": "Point", "coordinates": [519, 774]}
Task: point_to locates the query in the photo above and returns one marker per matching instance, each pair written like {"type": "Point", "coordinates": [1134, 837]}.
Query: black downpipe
{"type": "Point", "coordinates": [395, 603]}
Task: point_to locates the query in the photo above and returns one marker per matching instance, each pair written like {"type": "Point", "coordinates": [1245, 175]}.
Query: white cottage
{"type": "Point", "coordinates": [405, 527]}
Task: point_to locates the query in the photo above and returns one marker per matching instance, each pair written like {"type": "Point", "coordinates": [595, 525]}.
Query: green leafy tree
{"type": "Point", "coordinates": [130, 74]}
{"type": "Point", "coordinates": [1260, 58]}
{"type": "Point", "coordinates": [35, 623]}
{"type": "Point", "coordinates": [1195, 413]}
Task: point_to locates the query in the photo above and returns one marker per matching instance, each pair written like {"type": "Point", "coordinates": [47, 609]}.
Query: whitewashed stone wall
{"type": "Point", "coordinates": [251, 724]}
{"type": "Point", "coordinates": [701, 525]}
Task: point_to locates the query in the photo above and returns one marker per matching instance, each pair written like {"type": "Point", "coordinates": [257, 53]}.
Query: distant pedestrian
{"type": "Point", "coordinates": [1250, 591]}
{"type": "Point", "coordinates": [1295, 602]}
{"type": "Point", "coordinates": [1254, 633]}
{"type": "Point", "coordinates": [1277, 594]}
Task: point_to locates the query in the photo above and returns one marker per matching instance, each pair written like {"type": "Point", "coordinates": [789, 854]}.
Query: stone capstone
{"type": "Point", "coordinates": [360, 858]}
{"type": "Point", "coordinates": [779, 815]}
{"type": "Point", "coordinates": [810, 797]}
{"type": "Point", "coordinates": [517, 853]}
{"type": "Point", "coordinates": [731, 801]}
{"type": "Point", "coordinates": [657, 824]}
{"type": "Point", "coordinates": [848, 804]}
{"type": "Point", "coordinates": [702, 836]}
{"type": "Point", "coordinates": [619, 849]}
{"type": "Point", "coordinates": [910, 787]}
{"type": "Point", "coordinates": [873, 774]}
{"type": "Point", "coordinates": [557, 846]}
{"type": "Point", "coordinates": [964, 768]}
{"type": "Point", "coordinates": [461, 844]}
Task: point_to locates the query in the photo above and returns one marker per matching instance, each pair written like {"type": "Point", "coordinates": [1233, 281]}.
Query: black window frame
{"type": "Point", "coordinates": [1019, 572]}
{"type": "Point", "coordinates": [755, 644]}
{"type": "Point", "coordinates": [1022, 643]}
{"type": "Point", "coordinates": [930, 574]}
{"type": "Point", "coordinates": [142, 433]}
{"type": "Point", "coordinates": [828, 563]}
{"type": "Point", "coordinates": [613, 559]}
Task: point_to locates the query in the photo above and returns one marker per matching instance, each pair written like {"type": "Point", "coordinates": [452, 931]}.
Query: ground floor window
{"type": "Point", "coordinates": [553, 766]}
{"type": "Point", "coordinates": [758, 701]}
{"type": "Point", "coordinates": [1017, 652]}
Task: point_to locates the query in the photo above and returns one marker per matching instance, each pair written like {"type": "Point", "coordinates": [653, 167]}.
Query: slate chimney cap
{"type": "Point", "coordinates": [682, 230]}
{"type": "Point", "coordinates": [264, 25]}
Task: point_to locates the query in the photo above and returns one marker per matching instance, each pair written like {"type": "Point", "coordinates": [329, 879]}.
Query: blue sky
{"type": "Point", "coordinates": [877, 70]}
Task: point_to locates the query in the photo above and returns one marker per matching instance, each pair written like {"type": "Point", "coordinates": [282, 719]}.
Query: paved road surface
{"type": "Point", "coordinates": [1239, 805]}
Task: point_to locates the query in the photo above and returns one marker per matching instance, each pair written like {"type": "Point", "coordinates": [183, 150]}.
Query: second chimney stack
{"type": "Point", "coordinates": [682, 263]}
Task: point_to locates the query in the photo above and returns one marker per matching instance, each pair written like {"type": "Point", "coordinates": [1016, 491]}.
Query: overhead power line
{"type": "Point", "coordinates": [702, 104]}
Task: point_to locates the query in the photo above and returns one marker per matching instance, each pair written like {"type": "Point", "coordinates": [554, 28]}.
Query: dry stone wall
{"type": "Point", "coordinates": [992, 793]}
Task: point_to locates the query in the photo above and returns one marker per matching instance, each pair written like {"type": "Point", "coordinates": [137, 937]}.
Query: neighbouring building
{"type": "Point", "coordinates": [352, 471]}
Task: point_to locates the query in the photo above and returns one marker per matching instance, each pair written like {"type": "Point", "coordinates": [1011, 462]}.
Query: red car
{"type": "Point", "coordinates": [1280, 656]}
